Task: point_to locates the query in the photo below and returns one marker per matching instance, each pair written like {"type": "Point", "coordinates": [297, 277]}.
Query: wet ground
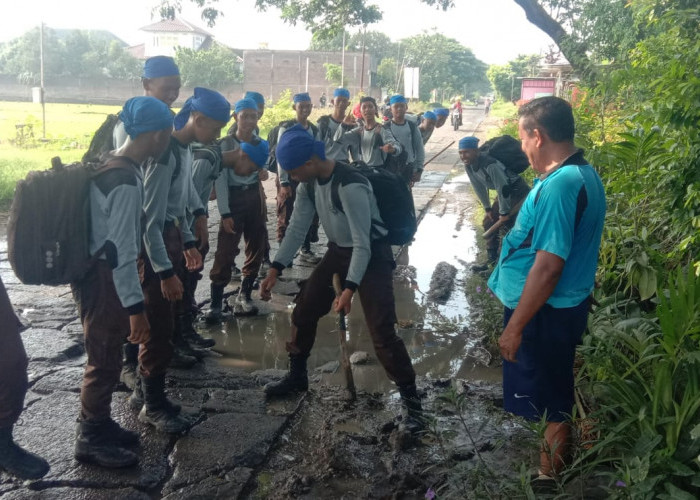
{"type": "Point", "coordinates": [317, 445]}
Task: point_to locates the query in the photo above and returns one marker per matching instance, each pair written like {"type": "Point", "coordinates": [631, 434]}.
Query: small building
{"type": "Point", "coordinates": [163, 37]}
{"type": "Point", "coordinates": [532, 88]}
{"type": "Point", "coordinates": [552, 79]}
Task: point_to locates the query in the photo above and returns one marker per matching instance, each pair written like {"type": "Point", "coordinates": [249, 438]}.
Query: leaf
{"type": "Point", "coordinates": [677, 493]}
{"type": "Point", "coordinates": [695, 432]}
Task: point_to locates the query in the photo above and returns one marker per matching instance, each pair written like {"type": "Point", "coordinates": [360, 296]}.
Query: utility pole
{"type": "Point", "coordinates": [362, 71]}
{"type": "Point", "coordinates": [342, 62]}
{"type": "Point", "coordinates": [41, 72]}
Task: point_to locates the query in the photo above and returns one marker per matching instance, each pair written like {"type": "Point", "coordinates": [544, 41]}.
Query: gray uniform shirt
{"type": "Point", "coordinates": [116, 200]}
{"type": "Point", "coordinates": [364, 144]}
{"type": "Point", "coordinates": [168, 193]}
{"type": "Point", "coordinates": [412, 142]}
{"type": "Point", "coordinates": [351, 228]}
{"type": "Point", "coordinates": [489, 173]}
{"type": "Point", "coordinates": [334, 149]}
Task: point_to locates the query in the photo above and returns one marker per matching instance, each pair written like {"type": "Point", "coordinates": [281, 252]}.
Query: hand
{"type": "Point", "coordinates": [227, 225]}
{"type": "Point", "coordinates": [193, 259]}
{"type": "Point", "coordinates": [509, 342]}
{"type": "Point", "coordinates": [285, 193]}
{"type": "Point", "coordinates": [388, 148]}
{"type": "Point", "coordinates": [504, 218]}
{"type": "Point", "coordinates": [263, 174]}
{"type": "Point", "coordinates": [201, 230]}
{"type": "Point", "coordinates": [343, 302]}
{"type": "Point", "coordinates": [140, 328]}
{"type": "Point", "coordinates": [416, 176]}
{"type": "Point", "coordinates": [350, 119]}
{"type": "Point", "coordinates": [171, 288]}
{"type": "Point", "coordinates": [268, 283]}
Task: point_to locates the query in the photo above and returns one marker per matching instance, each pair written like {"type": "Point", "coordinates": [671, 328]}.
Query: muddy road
{"type": "Point", "coordinates": [317, 445]}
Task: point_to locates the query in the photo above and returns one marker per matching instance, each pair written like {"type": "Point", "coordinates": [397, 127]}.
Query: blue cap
{"type": "Point", "coordinates": [208, 102]}
{"type": "Point", "coordinates": [469, 142]}
{"type": "Point", "coordinates": [340, 92]}
{"type": "Point", "coordinates": [257, 152]}
{"type": "Point", "coordinates": [245, 103]}
{"type": "Point", "coordinates": [256, 96]}
{"type": "Point", "coordinates": [296, 147]}
{"type": "Point", "coordinates": [301, 97]}
{"type": "Point", "coordinates": [145, 114]}
{"type": "Point", "coordinates": [396, 99]}
{"type": "Point", "coordinates": [442, 111]}
{"type": "Point", "coordinates": [429, 115]}
{"type": "Point", "coordinates": [159, 66]}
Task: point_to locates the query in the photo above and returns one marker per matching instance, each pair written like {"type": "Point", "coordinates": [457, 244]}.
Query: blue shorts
{"type": "Point", "coordinates": [541, 382]}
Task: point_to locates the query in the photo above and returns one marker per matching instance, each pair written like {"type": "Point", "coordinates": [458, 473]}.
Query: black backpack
{"type": "Point", "coordinates": [394, 199]}
{"type": "Point", "coordinates": [103, 140]}
{"type": "Point", "coordinates": [49, 223]}
{"type": "Point", "coordinates": [507, 150]}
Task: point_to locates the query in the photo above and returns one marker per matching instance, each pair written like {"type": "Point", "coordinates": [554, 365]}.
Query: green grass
{"type": "Point", "coordinates": [69, 128]}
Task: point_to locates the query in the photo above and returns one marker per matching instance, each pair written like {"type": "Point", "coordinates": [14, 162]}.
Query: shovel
{"type": "Point", "coordinates": [342, 328]}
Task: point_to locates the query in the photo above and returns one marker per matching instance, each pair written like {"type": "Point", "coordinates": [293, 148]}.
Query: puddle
{"type": "Point", "coordinates": [437, 336]}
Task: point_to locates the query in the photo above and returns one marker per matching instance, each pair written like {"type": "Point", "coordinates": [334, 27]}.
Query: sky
{"type": "Point", "coordinates": [495, 30]}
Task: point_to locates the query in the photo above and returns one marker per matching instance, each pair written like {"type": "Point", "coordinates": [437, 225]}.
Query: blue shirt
{"type": "Point", "coordinates": [563, 214]}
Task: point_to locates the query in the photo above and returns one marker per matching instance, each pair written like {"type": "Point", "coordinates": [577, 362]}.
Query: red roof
{"type": "Point", "coordinates": [176, 25]}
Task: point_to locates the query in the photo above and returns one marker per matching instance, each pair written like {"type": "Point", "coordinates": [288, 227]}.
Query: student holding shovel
{"type": "Point", "coordinates": [356, 251]}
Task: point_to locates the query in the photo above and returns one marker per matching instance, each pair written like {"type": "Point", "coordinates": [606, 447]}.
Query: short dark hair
{"type": "Point", "coordinates": [553, 115]}
{"type": "Point", "coordinates": [368, 99]}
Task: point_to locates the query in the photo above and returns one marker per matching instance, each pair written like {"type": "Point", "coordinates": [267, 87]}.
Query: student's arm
{"type": "Point", "coordinates": [282, 173]}
{"type": "Point", "coordinates": [388, 138]}
{"type": "Point", "coordinates": [499, 176]}
{"type": "Point", "coordinates": [156, 187]}
{"type": "Point", "coordinates": [418, 148]}
{"type": "Point", "coordinates": [221, 186]}
{"type": "Point", "coordinates": [302, 216]}
{"type": "Point", "coordinates": [357, 195]}
{"type": "Point", "coordinates": [123, 244]}
{"type": "Point", "coordinates": [479, 186]}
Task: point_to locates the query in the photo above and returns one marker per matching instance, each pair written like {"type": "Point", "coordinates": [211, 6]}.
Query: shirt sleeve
{"type": "Point", "coordinates": [555, 214]}
{"type": "Point", "coordinates": [479, 186]}
{"type": "Point", "coordinates": [124, 226]}
{"type": "Point", "coordinates": [156, 187]}
{"type": "Point", "coordinates": [222, 194]}
{"type": "Point", "coordinates": [388, 138]}
{"type": "Point", "coordinates": [499, 177]}
{"type": "Point", "coordinates": [302, 216]}
{"type": "Point", "coordinates": [357, 195]}
{"type": "Point", "coordinates": [418, 148]}
{"type": "Point", "coordinates": [283, 175]}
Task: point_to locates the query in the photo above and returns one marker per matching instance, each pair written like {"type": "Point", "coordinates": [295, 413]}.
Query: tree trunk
{"type": "Point", "coordinates": [574, 52]}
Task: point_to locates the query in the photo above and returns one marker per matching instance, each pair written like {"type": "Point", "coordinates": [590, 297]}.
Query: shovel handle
{"type": "Point", "coordinates": [344, 358]}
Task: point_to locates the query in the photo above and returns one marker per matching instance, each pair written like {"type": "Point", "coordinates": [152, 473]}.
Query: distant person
{"type": "Point", "coordinates": [545, 276]}
{"type": "Point", "coordinates": [287, 188]}
{"type": "Point", "coordinates": [427, 125]}
{"type": "Point", "coordinates": [13, 387]}
{"type": "Point", "coordinates": [322, 100]}
{"type": "Point", "coordinates": [242, 214]}
{"type": "Point", "coordinates": [485, 173]}
{"type": "Point", "coordinates": [370, 142]}
{"type": "Point", "coordinates": [356, 251]}
{"type": "Point", "coordinates": [442, 115]}
{"type": "Point", "coordinates": [110, 299]}
{"type": "Point", "coordinates": [487, 106]}
{"type": "Point", "coordinates": [406, 132]}
{"type": "Point", "coordinates": [332, 127]}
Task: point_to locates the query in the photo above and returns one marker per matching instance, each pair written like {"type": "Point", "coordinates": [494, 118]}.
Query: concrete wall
{"type": "Point", "coordinates": [93, 91]}
{"type": "Point", "coordinates": [270, 72]}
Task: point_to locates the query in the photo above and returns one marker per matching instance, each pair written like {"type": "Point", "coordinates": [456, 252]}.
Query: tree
{"type": "Point", "coordinates": [334, 74]}
{"type": "Point", "coordinates": [444, 64]}
{"type": "Point", "coordinates": [387, 74]}
{"type": "Point", "coordinates": [213, 68]}
{"type": "Point", "coordinates": [21, 56]}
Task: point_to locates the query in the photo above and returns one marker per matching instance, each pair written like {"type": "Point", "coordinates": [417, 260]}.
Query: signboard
{"type": "Point", "coordinates": [411, 81]}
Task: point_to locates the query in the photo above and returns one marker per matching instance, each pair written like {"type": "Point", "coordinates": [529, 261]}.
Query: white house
{"type": "Point", "coordinates": [163, 37]}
